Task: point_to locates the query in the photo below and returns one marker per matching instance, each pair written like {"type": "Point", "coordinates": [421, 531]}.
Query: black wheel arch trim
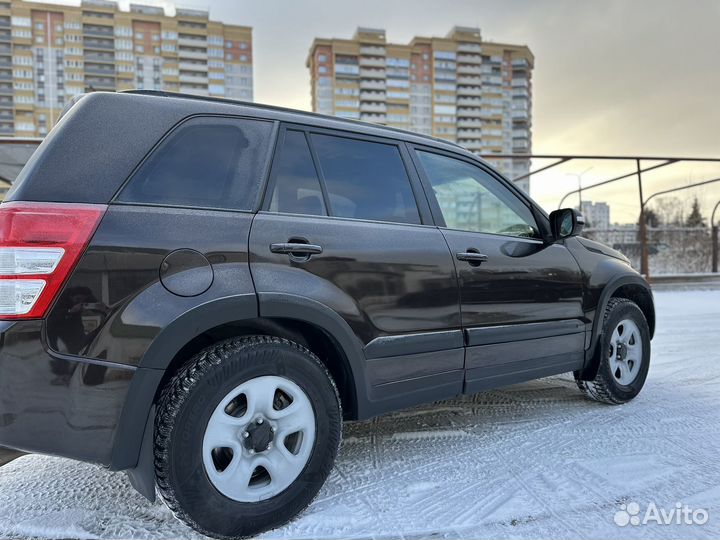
{"type": "Point", "coordinates": [129, 448]}
{"type": "Point", "coordinates": [301, 308]}
{"type": "Point", "coordinates": [591, 361]}
{"type": "Point", "coordinates": [151, 369]}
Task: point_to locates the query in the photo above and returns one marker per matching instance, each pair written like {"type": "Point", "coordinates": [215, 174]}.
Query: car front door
{"type": "Point", "coordinates": [345, 226]}
{"type": "Point", "coordinates": [521, 297]}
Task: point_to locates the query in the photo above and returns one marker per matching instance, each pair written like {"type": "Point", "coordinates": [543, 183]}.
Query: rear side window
{"type": "Point", "coordinates": [365, 180]}
{"type": "Point", "coordinates": [205, 163]}
{"type": "Point", "coordinates": [296, 187]}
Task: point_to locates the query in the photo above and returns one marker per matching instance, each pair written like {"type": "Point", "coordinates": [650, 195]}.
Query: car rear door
{"type": "Point", "coordinates": [345, 224]}
{"type": "Point", "coordinates": [521, 297]}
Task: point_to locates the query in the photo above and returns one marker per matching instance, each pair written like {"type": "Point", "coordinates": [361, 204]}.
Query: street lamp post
{"type": "Point", "coordinates": [579, 179]}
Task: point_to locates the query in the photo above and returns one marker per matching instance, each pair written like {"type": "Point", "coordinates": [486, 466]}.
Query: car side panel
{"type": "Point", "coordinates": [603, 275]}
{"type": "Point", "coordinates": [115, 304]}
{"type": "Point", "coordinates": [382, 280]}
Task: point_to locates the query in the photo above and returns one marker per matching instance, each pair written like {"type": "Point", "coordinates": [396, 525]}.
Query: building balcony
{"type": "Point", "coordinates": [520, 63]}
{"type": "Point", "coordinates": [192, 42]}
{"type": "Point", "coordinates": [469, 47]}
{"type": "Point", "coordinates": [372, 73]}
{"type": "Point", "coordinates": [372, 61]}
{"type": "Point", "coordinates": [99, 70]}
{"type": "Point", "coordinates": [469, 123]}
{"type": "Point", "coordinates": [192, 66]}
{"type": "Point", "coordinates": [471, 133]}
{"type": "Point", "coordinates": [469, 59]}
{"type": "Point", "coordinates": [105, 45]}
{"type": "Point", "coordinates": [519, 114]}
{"type": "Point", "coordinates": [521, 91]}
{"type": "Point", "coordinates": [373, 117]}
{"type": "Point", "coordinates": [469, 102]}
{"type": "Point", "coordinates": [373, 96]}
{"type": "Point", "coordinates": [373, 108]}
{"type": "Point", "coordinates": [100, 58]}
{"type": "Point", "coordinates": [491, 112]}
{"type": "Point", "coordinates": [192, 55]}
{"type": "Point", "coordinates": [98, 31]}
{"type": "Point", "coordinates": [372, 50]}
{"type": "Point", "coordinates": [372, 84]}
{"type": "Point", "coordinates": [465, 69]}
{"type": "Point", "coordinates": [469, 91]}
{"type": "Point", "coordinates": [519, 83]}
{"type": "Point", "coordinates": [463, 112]}
{"type": "Point", "coordinates": [193, 79]}
{"type": "Point", "coordinates": [472, 81]}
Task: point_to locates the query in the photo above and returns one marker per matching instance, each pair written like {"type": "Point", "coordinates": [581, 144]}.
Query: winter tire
{"type": "Point", "coordinates": [624, 351]}
{"type": "Point", "coordinates": [246, 435]}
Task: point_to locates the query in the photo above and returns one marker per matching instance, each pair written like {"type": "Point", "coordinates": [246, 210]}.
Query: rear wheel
{"type": "Point", "coordinates": [246, 435]}
{"type": "Point", "coordinates": [624, 351]}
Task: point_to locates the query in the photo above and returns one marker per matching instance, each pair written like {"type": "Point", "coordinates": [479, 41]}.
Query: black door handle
{"type": "Point", "coordinates": [293, 248]}
{"type": "Point", "coordinates": [475, 258]}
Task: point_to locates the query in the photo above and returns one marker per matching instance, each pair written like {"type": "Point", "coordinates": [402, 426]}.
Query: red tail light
{"type": "Point", "coordinates": [40, 243]}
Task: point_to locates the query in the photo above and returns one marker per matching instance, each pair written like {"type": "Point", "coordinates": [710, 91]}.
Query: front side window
{"type": "Point", "coordinates": [365, 180]}
{"type": "Point", "coordinates": [204, 163]}
{"type": "Point", "coordinates": [296, 188]}
{"type": "Point", "coordinates": [470, 199]}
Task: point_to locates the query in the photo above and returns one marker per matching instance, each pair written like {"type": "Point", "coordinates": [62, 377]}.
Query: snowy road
{"type": "Point", "coordinates": [535, 460]}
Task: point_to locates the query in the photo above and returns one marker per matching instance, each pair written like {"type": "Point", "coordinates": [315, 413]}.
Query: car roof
{"type": "Point", "coordinates": [203, 104]}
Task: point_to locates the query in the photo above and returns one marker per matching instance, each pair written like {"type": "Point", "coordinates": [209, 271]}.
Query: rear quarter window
{"type": "Point", "coordinates": [204, 163]}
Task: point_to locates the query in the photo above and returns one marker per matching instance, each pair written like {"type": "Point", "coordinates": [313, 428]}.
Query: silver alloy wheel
{"type": "Point", "coordinates": [259, 439]}
{"type": "Point", "coordinates": [625, 352]}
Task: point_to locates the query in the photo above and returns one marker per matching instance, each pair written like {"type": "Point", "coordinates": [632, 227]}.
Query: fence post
{"type": "Point", "coordinates": [644, 270]}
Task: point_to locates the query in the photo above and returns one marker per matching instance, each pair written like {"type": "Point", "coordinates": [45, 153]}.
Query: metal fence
{"type": "Point", "coordinates": [676, 250]}
{"type": "Point", "coordinates": [664, 250]}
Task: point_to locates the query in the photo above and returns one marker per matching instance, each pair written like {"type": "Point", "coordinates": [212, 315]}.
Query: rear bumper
{"type": "Point", "coordinates": [64, 406]}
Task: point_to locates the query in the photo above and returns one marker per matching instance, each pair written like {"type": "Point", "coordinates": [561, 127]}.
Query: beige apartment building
{"type": "Point", "coordinates": [473, 92]}
{"type": "Point", "coordinates": [50, 53]}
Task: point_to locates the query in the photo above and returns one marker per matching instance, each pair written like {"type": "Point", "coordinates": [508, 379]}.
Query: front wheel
{"type": "Point", "coordinates": [624, 351]}
{"type": "Point", "coordinates": [246, 435]}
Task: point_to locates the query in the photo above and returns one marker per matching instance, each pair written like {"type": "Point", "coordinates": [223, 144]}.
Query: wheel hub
{"type": "Point", "coordinates": [621, 351]}
{"type": "Point", "coordinates": [258, 435]}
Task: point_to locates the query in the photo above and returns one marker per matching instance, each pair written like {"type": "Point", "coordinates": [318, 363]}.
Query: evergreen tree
{"type": "Point", "coordinates": [651, 218]}
{"type": "Point", "coordinates": [695, 219]}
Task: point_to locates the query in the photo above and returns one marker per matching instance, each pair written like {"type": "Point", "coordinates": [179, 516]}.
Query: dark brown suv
{"type": "Point", "coordinates": [198, 292]}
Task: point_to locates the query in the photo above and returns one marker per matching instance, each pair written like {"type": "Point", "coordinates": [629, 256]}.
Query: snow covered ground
{"type": "Point", "coordinates": [535, 460]}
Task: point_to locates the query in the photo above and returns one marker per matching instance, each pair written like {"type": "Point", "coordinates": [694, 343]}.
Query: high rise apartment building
{"type": "Point", "coordinates": [50, 53]}
{"type": "Point", "coordinates": [461, 88]}
{"type": "Point", "coordinates": [597, 215]}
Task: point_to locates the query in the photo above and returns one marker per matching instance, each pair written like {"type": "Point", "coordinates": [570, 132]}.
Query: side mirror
{"type": "Point", "coordinates": [566, 223]}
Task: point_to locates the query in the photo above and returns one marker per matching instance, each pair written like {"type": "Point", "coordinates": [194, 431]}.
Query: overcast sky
{"type": "Point", "coordinates": [611, 77]}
